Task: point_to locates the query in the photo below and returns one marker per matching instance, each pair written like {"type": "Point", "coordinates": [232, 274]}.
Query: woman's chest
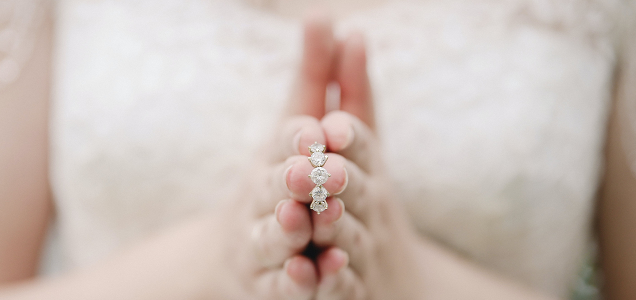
{"type": "Point", "coordinates": [491, 118]}
{"type": "Point", "coordinates": [462, 89]}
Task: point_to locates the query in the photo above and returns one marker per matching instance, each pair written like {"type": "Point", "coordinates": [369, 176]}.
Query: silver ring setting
{"type": "Point", "coordinates": [319, 176]}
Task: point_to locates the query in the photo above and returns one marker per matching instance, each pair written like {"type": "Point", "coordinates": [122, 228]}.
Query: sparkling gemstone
{"type": "Point", "coordinates": [318, 159]}
{"type": "Point", "coordinates": [319, 175]}
{"type": "Point", "coordinates": [319, 193]}
{"type": "Point", "coordinates": [316, 147]}
{"type": "Point", "coordinates": [319, 206]}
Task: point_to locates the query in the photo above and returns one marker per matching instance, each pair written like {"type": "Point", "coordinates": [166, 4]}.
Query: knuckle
{"type": "Point", "coordinates": [358, 238]}
{"type": "Point", "coordinates": [339, 286]}
{"type": "Point", "coordinates": [360, 292]}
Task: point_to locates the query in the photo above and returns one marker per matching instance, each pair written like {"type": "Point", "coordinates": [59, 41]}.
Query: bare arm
{"type": "Point", "coordinates": [24, 192]}
{"type": "Point", "coordinates": [617, 207]}
{"type": "Point", "coordinates": [249, 247]}
{"type": "Point", "coordinates": [388, 258]}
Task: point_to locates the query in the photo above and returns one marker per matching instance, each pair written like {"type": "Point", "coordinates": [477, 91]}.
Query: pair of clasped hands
{"type": "Point", "coordinates": [364, 239]}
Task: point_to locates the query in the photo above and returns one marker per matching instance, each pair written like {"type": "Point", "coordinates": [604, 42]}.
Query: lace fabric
{"type": "Point", "coordinates": [492, 115]}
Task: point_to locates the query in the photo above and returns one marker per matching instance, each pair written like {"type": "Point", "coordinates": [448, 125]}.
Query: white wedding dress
{"type": "Point", "coordinates": [491, 113]}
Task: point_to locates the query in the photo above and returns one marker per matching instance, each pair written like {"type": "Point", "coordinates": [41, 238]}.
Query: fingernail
{"type": "Point", "coordinates": [349, 139]}
{"type": "Point", "coordinates": [296, 141]}
{"type": "Point", "coordinates": [342, 209]}
{"type": "Point", "coordinates": [278, 208]}
{"type": "Point", "coordinates": [346, 182]}
{"type": "Point", "coordinates": [286, 178]}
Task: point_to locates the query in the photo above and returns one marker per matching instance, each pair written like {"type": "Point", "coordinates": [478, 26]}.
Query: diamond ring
{"type": "Point", "coordinates": [319, 176]}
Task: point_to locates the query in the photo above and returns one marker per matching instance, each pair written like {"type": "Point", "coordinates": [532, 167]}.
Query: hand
{"type": "Point", "coordinates": [373, 230]}
{"type": "Point", "coordinates": [267, 227]}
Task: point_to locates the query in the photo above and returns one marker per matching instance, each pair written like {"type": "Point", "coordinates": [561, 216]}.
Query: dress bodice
{"type": "Point", "coordinates": [491, 114]}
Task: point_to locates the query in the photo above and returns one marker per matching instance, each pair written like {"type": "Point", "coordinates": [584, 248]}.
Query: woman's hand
{"type": "Point", "coordinates": [367, 249]}
{"type": "Point", "coordinates": [268, 226]}
{"type": "Point", "coordinates": [371, 250]}
{"type": "Point", "coordinates": [379, 259]}
{"type": "Point", "coordinates": [249, 247]}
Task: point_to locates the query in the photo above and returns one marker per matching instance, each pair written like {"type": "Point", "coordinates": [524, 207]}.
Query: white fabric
{"type": "Point", "coordinates": [492, 116]}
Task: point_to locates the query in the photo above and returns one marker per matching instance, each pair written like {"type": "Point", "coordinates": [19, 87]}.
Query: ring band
{"type": "Point", "coordinates": [319, 176]}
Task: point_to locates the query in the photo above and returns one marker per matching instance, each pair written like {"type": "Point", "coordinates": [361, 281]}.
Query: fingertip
{"type": "Point", "coordinates": [339, 176]}
{"type": "Point", "coordinates": [316, 66]}
{"type": "Point", "coordinates": [349, 139]}
{"type": "Point", "coordinates": [278, 209]}
{"type": "Point", "coordinates": [296, 141]}
{"type": "Point", "coordinates": [338, 130]}
{"type": "Point", "coordinates": [298, 183]}
{"type": "Point", "coordinates": [356, 45]}
{"type": "Point", "coordinates": [287, 175]}
{"type": "Point", "coordinates": [301, 270]}
{"type": "Point", "coordinates": [331, 215]}
{"type": "Point", "coordinates": [341, 208]}
{"type": "Point", "coordinates": [309, 132]}
{"type": "Point", "coordinates": [331, 261]}
{"type": "Point", "coordinates": [292, 216]}
{"type": "Point", "coordinates": [344, 184]}
{"type": "Point", "coordinates": [319, 44]}
{"type": "Point", "coordinates": [315, 135]}
{"type": "Point", "coordinates": [353, 78]}
{"type": "Point", "coordinates": [317, 16]}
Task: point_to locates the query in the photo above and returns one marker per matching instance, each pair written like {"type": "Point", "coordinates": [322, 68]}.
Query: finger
{"type": "Point", "coordinates": [337, 281]}
{"type": "Point", "coordinates": [294, 136]}
{"type": "Point", "coordinates": [308, 95]}
{"type": "Point", "coordinates": [357, 189]}
{"type": "Point", "coordinates": [300, 185]}
{"type": "Point", "coordinates": [333, 214]}
{"type": "Point", "coordinates": [290, 180]}
{"type": "Point", "coordinates": [345, 285]}
{"type": "Point", "coordinates": [339, 228]}
{"type": "Point", "coordinates": [282, 234]}
{"type": "Point", "coordinates": [276, 188]}
{"type": "Point", "coordinates": [351, 74]}
{"type": "Point", "coordinates": [350, 137]}
{"type": "Point", "coordinates": [297, 280]}
{"type": "Point", "coordinates": [347, 181]}
{"type": "Point", "coordinates": [285, 181]}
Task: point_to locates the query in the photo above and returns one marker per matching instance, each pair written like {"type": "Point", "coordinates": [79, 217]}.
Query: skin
{"type": "Point", "coordinates": [617, 205]}
{"type": "Point", "coordinates": [387, 259]}
{"type": "Point", "coordinates": [370, 251]}
{"type": "Point", "coordinates": [25, 203]}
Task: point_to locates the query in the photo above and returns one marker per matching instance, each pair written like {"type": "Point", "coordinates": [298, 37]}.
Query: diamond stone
{"type": "Point", "coordinates": [319, 175]}
{"type": "Point", "coordinates": [316, 148]}
{"type": "Point", "coordinates": [319, 193]}
{"type": "Point", "coordinates": [318, 159]}
{"type": "Point", "coordinates": [318, 206]}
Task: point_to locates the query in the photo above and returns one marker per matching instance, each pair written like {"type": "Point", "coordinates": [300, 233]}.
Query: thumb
{"type": "Point", "coordinates": [352, 76]}
{"type": "Point", "coordinates": [308, 94]}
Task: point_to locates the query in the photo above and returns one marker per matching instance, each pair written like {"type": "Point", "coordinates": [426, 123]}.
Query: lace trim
{"type": "Point", "coordinates": [19, 23]}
